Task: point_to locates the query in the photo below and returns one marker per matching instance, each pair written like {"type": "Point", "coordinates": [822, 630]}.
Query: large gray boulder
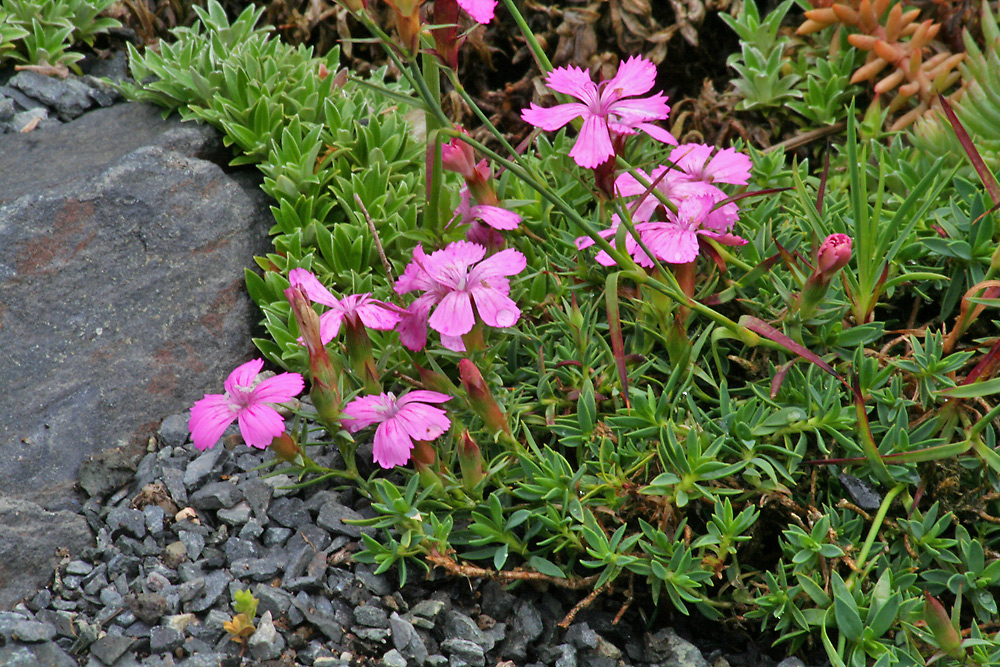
{"type": "Point", "coordinates": [122, 251]}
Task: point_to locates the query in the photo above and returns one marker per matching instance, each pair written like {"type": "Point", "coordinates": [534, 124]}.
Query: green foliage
{"type": "Point", "coordinates": [43, 32]}
{"type": "Point", "coordinates": [706, 463]}
{"type": "Point", "coordinates": [763, 82]}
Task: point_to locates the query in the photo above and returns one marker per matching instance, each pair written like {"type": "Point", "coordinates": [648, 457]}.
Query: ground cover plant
{"type": "Point", "coordinates": [701, 380]}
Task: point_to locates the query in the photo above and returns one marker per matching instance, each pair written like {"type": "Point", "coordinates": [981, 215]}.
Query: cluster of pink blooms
{"type": "Point", "coordinates": [610, 111]}
{"type": "Point", "coordinates": [458, 282]}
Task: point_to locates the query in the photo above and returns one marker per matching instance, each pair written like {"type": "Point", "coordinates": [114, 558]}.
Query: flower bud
{"type": "Point", "coordinates": [325, 377]}
{"type": "Point", "coordinates": [948, 638]}
{"type": "Point", "coordinates": [285, 447]}
{"type": "Point", "coordinates": [458, 156]}
{"type": "Point", "coordinates": [436, 381]}
{"type": "Point", "coordinates": [470, 458]}
{"type": "Point", "coordinates": [480, 398]}
{"type": "Point", "coordinates": [834, 254]}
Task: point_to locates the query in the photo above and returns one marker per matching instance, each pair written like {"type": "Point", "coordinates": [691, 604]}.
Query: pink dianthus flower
{"type": "Point", "coordinates": [246, 402]}
{"type": "Point", "coordinates": [456, 278]}
{"type": "Point", "coordinates": [697, 163]}
{"type": "Point", "coordinates": [353, 308]}
{"type": "Point", "coordinates": [604, 108]}
{"type": "Point", "coordinates": [400, 422]}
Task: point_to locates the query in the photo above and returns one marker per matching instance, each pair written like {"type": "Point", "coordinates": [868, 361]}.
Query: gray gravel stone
{"type": "Point", "coordinates": [667, 648]}
{"type": "Point", "coordinates": [525, 627]}
{"type": "Point", "coordinates": [290, 512]}
{"type": "Point", "coordinates": [109, 648]}
{"type": "Point", "coordinates": [407, 640]}
{"type": "Point", "coordinates": [393, 658]}
{"type": "Point", "coordinates": [173, 430]}
{"type": "Point", "coordinates": [214, 496]}
{"type": "Point", "coordinates": [371, 616]}
{"type": "Point", "coordinates": [470, 652]}
{"type": "Point", "coordinates": [459, 626]}
{"type": "Point", "coordinates": [69, 97]}
{"type": "Point", "coordinates": [163, 639]}
{"type": "Point", "coordinates": [791, 662]}
{"type": "Point", "coordinates": [237, 515]}
{"type": "Point", "coordinates": [332, 516]}
{"type": "Point", "coordinates": [131, 521]}
{"type": "Point", "coordinates": [216, 584]}
{"type": "Point", "coordinates": [33, 631]}
{"type": "Point", "coordinates": [266, 643]}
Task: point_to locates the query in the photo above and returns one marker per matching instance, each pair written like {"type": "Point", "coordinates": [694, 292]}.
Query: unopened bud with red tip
{"type": "Point", "coordinates": [470, 458]}
{"type": "Point", "coordinates": [408, 23]}
{"type": "Point", "coordinates": [436, 381]}
{"type": "Point", "coordinates": [480, 398]}
{"type": "Point", "coordinates": [324, 375]}
{"type": "Point", "coordinates": [446, 39]}
{"type": "Point", "coordinates": [832, 256]}
{"type": "Point", "coordinates": [424, 458]}
{"type": "Point", "coordinates": [948, 638]}
{"type": "Point", "coordinates": [285, 448]}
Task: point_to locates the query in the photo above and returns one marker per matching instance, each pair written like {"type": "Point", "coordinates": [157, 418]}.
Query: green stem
{"type": "Point", "coordinates": [872, 533]}
{"type": "Point", "coordinates": [434, 177]}
{"type": "Point", "coordinates": [542, 60]}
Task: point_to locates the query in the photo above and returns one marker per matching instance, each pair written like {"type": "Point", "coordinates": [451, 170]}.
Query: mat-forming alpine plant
{"type": "Point", "coordinates": [249, 400]}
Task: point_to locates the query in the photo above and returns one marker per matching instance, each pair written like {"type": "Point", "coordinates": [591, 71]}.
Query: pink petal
{"type": "Point", "coordinates": [453, 316]}
{"type": "Point", "coordinates": [632, 111]}
{"type": "Point", "coordinates": [423, 396]}
{"type": "Point", "coordinates": [260, 424]}
{"type": "Point", "coordinates": [657, 133]}
{"type": "Point", "coordinates": [243, 376]}
{"type": "Point", "coordinates": [496, 217]}
{"type": "Point", "coordinates": [453, 343]}
{"type": "Point", "coordinates": [210, 417]}
{"type": "Point", "coordinates": [364, 411]}
{"type": "Point", "coordinates": [422, 422]}
{"type": "Point", "coordinates": [414, 275]}
{"type": "Point", "coordinates": [481, 11]}
{"type": "Point", "coordinates": [504, 263]}
{"type": "Point", "coordinates": [377, 315]}
{"type": "Point", "coordinates": [593, 145]}
{"type": "Point", "coordinates": [412, 327]}
{"type": "Point", "coordinates": [278, 389]}
{"type": "Point", "coordinates": [495, 308]}
{"type": "Point", "coordinates": [730, 166]}
{"type": "Point", "coordinates": [313, 287]}
{"type": "Point", "coordinates": [329, 325]}
{"type": "Point", "coordinates": [571, 80]}
{"type": "Point", "coordinates": [553, 118]}
{"type": "Point", "coordinates": [725, 239]}
{"type": "Point", "coordinates": [673, 244]}
{"type": "Point", "coordinates": [448, 266]}
{"type": "Point", "coordinates": [392, 445]}
{"type": "Point", "coordinates": [635, 77]}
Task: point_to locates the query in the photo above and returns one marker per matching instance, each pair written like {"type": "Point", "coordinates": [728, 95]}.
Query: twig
{"type": "Point", "coordinates": [436, 558]}
{"type": "Point", "coordinates": [807, 137]}
{"type": "Point", "coordinates": [378, 241]}
{"type": "Point", "coordinates": [580, 606]}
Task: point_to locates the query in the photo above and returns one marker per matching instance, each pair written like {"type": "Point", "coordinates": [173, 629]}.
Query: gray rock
{"type": "Point", "coordinates": [393, 658]}
{"type": "Point", "coordinates": [323, 621]}
{"type": "Point", "coordinates": [23, 119]}
{"type": "Point", "coordinates": [332, 516]}
{"type": "Point", "coordinates": [371, 616]}
{"type": "Point", "coordinates": [29, 537]}
{"type": "Point", "coordinates": [109, 648]}
{"type": "Point", "coordinates": [275, 600]}
{"type": "Point", "coordinates": [266, 643]}
{"type": "Point", "coordinates": [123, 266]}
{"type": "Point", "coordinates": [33, 631]}
{"type": "Point", "coordinates": [581, 636]}
{"type": "Point", "coordinates": [469, 652]}
{"type": "Point", "coordinates": [255, 569]}
{"type": "Point", "coordinates": [128, 519]}
{"type": "Point", "coordinates": [69, 97]}
{"type": "Point", "coordinates": [290, 512]}
{"type": "Point", "coordinates": [567, 656]}
{"type": "Point", "coordinates": [202, 466]}
{"type": "Point", "coordinates": [148, 606]}
{"type": "Point", "coordinates": [237, 515]}
{"type": "Point", "coordinates": [665, 647]}
{"type": "Point", "coordinates": [791, 662]}
{"type": "Point", "coordinates": [407, 640]}
{"type": "Point", "coordinates": [215, 495]}
{"type": "Point", "coordinates": [216, 584]}
{"type": "Point", "coordinates": [459, 626]}
{"type": "Point", "coordinates": [163, 639]}
{"type": "Point", "coordinates": [48, 654]}
{"type": "Point", "coordinates": [257, 493]}
{"type": "Point", "coordinates": [174, 430]}
{"type": "Point", "coordinates": [6, 109]}
{"type": "Point", "coordinates": [525, 627]}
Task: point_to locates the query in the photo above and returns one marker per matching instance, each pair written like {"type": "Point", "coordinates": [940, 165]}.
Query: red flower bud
{"type": "Point", "coordinates": [458, 156]}
{"type": "Point", "coordinates": [834, 254]}
{"type": "Point", "coordinates": [285, 447]}
{"type": "Point", "coordinates": [480, 398]}
{"type": "Point", "coordinates": [470, 458]}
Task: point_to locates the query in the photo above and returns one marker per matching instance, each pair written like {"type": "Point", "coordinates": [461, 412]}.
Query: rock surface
{"type": "Point", "coordinates": [121, 296]}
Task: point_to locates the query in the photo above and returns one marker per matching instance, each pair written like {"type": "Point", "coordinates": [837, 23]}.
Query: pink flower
{"type": "Point", "coordinates": [603, 109]}
{"type": "Point", "coordinates": [698, 164]}
{"type": "Point", "coordinates": [400, 422]}
{"type": "Point", "coordinates": [247, 403]}
{"type": "Point", "coordinates": [452, 285]}
{"type": "Point", "coordinates": [353, 308]}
